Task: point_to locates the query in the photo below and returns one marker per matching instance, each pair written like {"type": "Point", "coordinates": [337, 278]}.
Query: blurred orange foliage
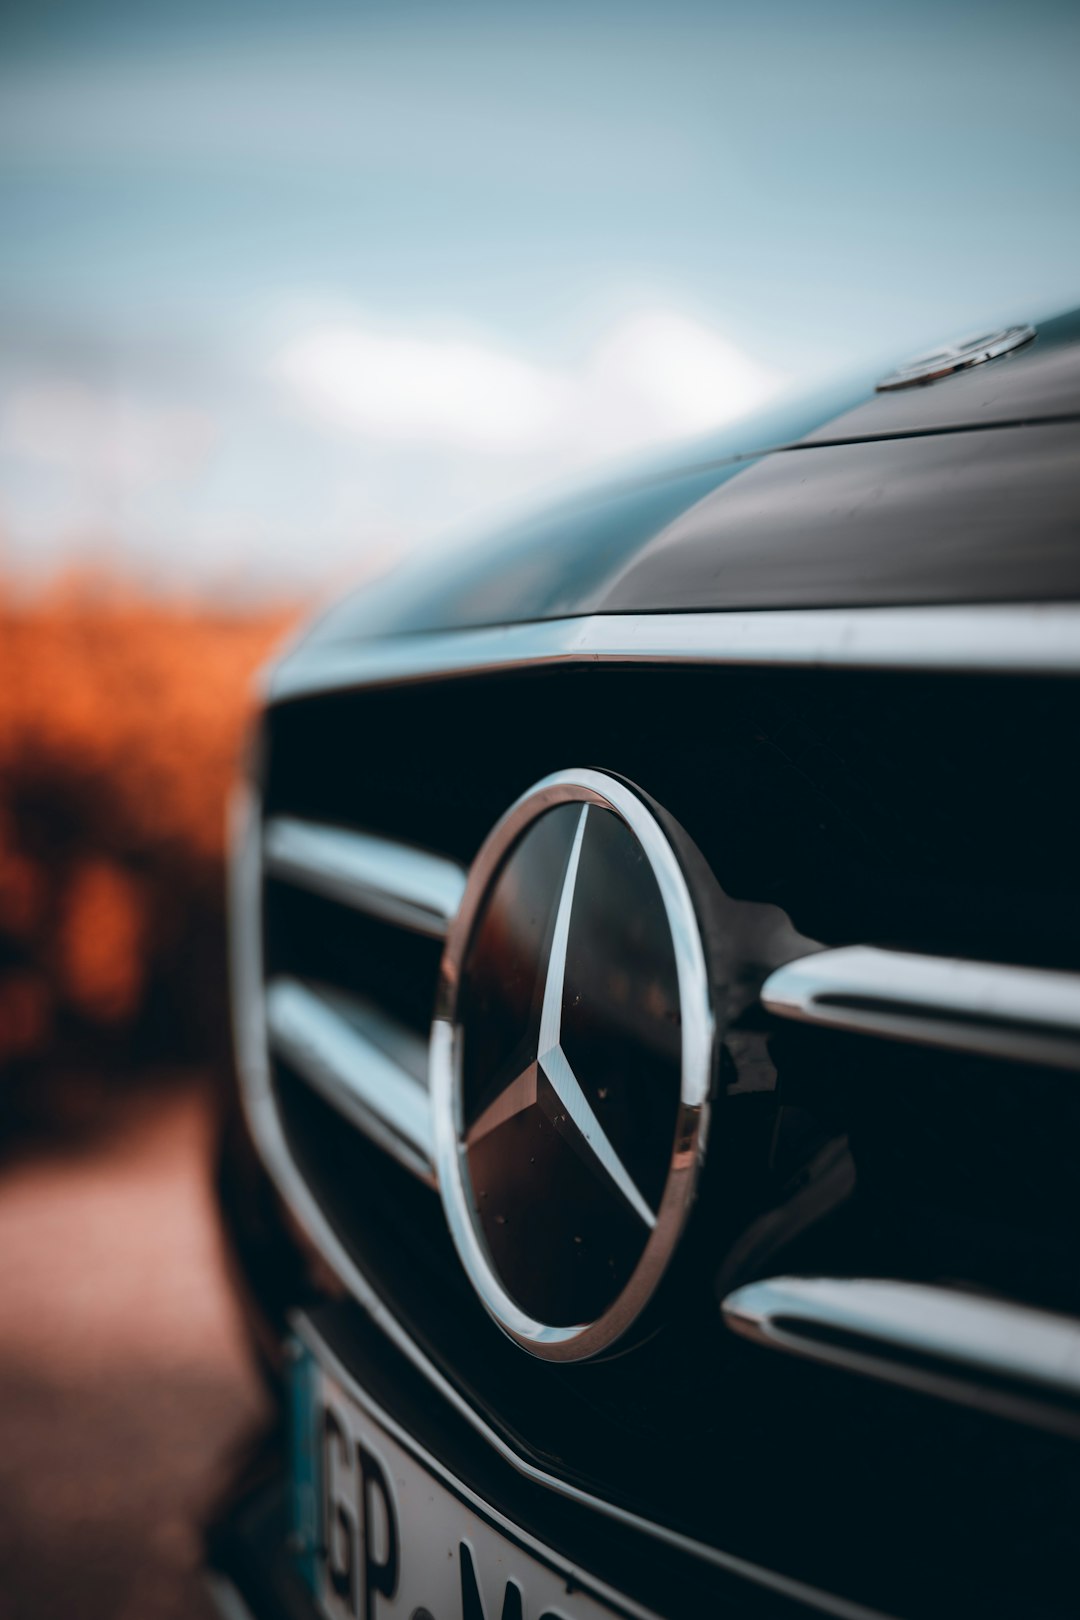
{"type": "Point", "coordinates": [121, 719]}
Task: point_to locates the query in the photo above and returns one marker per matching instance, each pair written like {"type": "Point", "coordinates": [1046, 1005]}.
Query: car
{"type": "Point", "coordinates": [651, 1182]}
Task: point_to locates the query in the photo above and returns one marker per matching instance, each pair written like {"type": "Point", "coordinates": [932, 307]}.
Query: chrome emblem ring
{"type": "Point", "coordinates": [571, 1064]}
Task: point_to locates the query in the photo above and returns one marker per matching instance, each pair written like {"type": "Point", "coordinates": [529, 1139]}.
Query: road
{"type": "Point", "coordinates": [123, 1377]}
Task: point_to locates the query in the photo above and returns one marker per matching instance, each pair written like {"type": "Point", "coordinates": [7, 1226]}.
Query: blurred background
{"type": "Point", "coordinates": [287, 292]}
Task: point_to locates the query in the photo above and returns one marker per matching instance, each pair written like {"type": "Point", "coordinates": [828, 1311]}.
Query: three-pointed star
{"type": "Point", "coordinates": [553, 1067]}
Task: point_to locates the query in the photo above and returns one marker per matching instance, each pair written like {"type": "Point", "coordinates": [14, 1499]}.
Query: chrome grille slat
{"type": "Point", "coordinates": [1027, 1014]}
{"type": "Point", "coordinates": [370, 1070]}
{"type": "Point", "coordinates": [1020, 1362]}
{"type": "Point", "coordinates": [986, 638]}
{"type": "Point", "coordinates": [395, 882]}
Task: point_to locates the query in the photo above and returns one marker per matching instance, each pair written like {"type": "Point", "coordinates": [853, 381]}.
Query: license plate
{"type": "Point", "coordinates": [381, 1531]}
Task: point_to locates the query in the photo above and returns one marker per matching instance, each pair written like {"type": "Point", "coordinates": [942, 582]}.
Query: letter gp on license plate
{"type": "Point", "coordinates": [379, 1535]}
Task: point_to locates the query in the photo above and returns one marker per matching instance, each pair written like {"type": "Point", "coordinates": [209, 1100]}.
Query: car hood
{"type": "Point", "coordinates": [963, 489]}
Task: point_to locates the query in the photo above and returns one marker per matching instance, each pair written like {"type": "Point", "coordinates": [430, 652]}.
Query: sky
{"type": "Point", "coordinates": [287, 290]}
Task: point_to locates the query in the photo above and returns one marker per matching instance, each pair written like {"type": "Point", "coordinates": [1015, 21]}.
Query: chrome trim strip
{"type": "Point", "coordinates": [245, 944]}
{"type": "Point", "coordinates": [1019, 1362]}
{"type": "Point", "coordinates": [378, 876]}
{"type": "Point", "coordinates": [334, 1044]}
{"type": "Point", "coordinates": [1030, 639]}
{"type": "Point", "coordinates": [1027, 1014]}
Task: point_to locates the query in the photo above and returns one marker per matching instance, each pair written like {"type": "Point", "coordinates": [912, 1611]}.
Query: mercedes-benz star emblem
{"type": "Point", "coordinates": [571, 1062]}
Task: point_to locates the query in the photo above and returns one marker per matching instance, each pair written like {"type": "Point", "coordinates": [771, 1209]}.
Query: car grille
{"type": "Point", "coordinates": [899, 1124]}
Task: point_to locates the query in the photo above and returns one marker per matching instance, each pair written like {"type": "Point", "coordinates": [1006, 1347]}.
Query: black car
{"type": "Point", "coordinates": [653, 1183]}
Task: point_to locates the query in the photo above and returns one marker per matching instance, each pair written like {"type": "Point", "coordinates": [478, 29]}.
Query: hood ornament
{"type": "Point", "coordinates": [968, 352]}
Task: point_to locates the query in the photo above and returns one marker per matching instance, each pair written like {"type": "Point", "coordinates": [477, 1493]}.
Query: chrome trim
{"type": "Point", "coordinates": [582, 1339]}
{"type": "Point", "coordinates": [1011, 1359]}
{"type": "Point", "coordinates": [1030, 639]}
{"type": "Point", "coordinates": [396, 882]}
{"type": "Point", "coordinates": [1028, 1014]}
{"type": "Point", "coordinates": [245, 945]}
{"type": "Point", "coordinates": [334, 1042]}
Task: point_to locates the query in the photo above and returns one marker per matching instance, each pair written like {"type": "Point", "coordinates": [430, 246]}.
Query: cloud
{"type": "Point", "coordinates": [658, 375]}
{"type": "Point", "coordinates": [661, 375]}
{"type": "Point", "coordinates": [106, 436]}
{"type": "Point", "coordinates": [409, 390]}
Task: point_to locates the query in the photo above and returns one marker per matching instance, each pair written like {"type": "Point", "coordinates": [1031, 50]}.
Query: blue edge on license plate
{"type": "Point", "coordinates": [304, 1471]}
